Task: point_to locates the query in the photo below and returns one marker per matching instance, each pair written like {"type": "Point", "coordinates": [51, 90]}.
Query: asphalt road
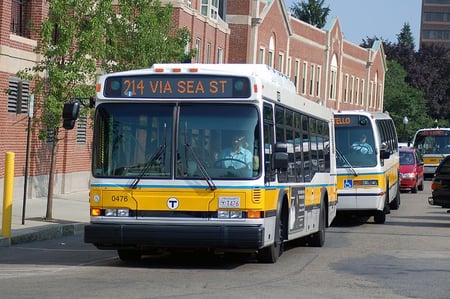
{"type": "Point", "coordinates": [407, 257]}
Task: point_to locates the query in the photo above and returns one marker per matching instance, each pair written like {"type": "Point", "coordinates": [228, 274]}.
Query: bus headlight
{"type": "Point", "coordinates": [117, 212]}
{"type": "Point", "coordinates": [364, 183]}
{"type": "Point", "coordinates": [224, 214]}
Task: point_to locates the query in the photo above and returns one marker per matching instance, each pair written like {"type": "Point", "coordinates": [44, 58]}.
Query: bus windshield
{"type": "Point", "coordinates": [355, 146]}
{"type": "Point", "coordinates": [433, 142]}
{"type": "Point", "coordinates": [204, 141]}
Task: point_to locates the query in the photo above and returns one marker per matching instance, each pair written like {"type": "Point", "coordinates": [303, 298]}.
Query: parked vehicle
{"type": "Point", "coordinates": [411, 170]}
{"type": "Point", "coordinates": [440, 186]}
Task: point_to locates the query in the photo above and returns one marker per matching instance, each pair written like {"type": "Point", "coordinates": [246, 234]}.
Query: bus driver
{"type": "Point", "coordinates": [362, 146]}
{"type": "Point", "coordinates": [236, 156]}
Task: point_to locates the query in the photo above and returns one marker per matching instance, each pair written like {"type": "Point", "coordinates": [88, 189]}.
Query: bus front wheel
{"type": "Point", "coordinates": [318, 239]}
{"type": "Point", "coordinates": [271, 253]}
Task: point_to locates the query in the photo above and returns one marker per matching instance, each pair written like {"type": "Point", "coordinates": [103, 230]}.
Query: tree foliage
{"type": "Point", "coordinates": [401, 99]}
{"type": "Point", "coordinates": [427, 71]}
{"type": "Point", "coordinates": [311, 11]}
{"type": "Point", "coordinates": [405, 37]}
{"type": "Point", "coordinates": [79, 36]}
{"type": "Point", "coordinates": [141, 33]}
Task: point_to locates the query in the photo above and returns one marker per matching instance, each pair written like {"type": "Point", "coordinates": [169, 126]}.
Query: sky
{"type": "Point", "coordinates": [360, 19]}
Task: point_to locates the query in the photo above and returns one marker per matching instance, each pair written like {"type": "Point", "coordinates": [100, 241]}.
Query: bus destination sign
{"type": "Point", "coordinates": [350, 120]}
{"type": "Point", "coordinates": [177, 86]}
{"type": "Point", "coordinates": [435, 132]}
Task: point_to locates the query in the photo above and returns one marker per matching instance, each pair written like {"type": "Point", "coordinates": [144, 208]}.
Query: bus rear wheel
{"type": "Point", "coordinates": [379, 217]}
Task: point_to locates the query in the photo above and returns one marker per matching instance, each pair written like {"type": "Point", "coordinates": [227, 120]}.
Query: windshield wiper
{"type": "Point", "coordinates": [157, 155]}
{"type": "Point", "coordinates": [202, 168]}
{"type": "Point", "coordinates": [346, 161]}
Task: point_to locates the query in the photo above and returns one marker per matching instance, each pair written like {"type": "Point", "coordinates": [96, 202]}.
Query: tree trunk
{"type": "Point", "coordinates": [51, 178]}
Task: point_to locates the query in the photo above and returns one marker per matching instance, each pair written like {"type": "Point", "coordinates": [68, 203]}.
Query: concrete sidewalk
{"type": "Point", "coordinates": [70, 213]}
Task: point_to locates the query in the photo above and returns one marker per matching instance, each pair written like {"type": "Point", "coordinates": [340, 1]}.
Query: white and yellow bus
{"type": "Point", "coordinates": [434, 146]}
{"type": "Point", "coordinates": [367, 164]}
{"type": "Point", "coordinates": [222, 157]}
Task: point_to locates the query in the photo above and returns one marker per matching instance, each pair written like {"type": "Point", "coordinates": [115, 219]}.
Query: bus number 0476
{"type": "Point", "coordinates": [121, 198]}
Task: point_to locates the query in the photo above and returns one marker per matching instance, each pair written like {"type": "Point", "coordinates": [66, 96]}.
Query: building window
{"type": "Point", "coordinates": [318, 81]}
{"type": "Point", "coordinates": [18, 96]}
{"type": "Point", "coordinates": [261, 55]}
{"type": "Point", "coordinates": [296, 73]}
{"type": "Point", "coordinates": [311, 80]}
{"type": "Point", "coordinates": [208, 53]}
{"type": "Point", "coordinates": [288, 67]}
{"type": "Point", "coordinates": [357, 91]}
{"type": "Point", "coordinates": [198, 43]}
{"type": "Point", "coordinates": [270, 58]}
{"type": "Point", "coordinates": [20, 16]}
{"type": "Point", "coordinates": [280, 62]}
{"type": "Point", "coordinates": [210, 8]}
{"type": "Point", "coordinates": [363, 86]}
{"type": "Point", "coordinates": [82, 130]}
{"type": "Point", "coordinates": [345, 88]}
{"type": "Point", "coordinates": [371, 94]}
{"type": "Point", "coordinates": [333, 84]}
{"type": "Point", "coordinates": [304, 70]}
{"type": "Point", "coordinates": [219, 55]}
{"type": "Point", "coordinates": [352, 87]}
{"type": "Point", "coordinates": [271, 51]}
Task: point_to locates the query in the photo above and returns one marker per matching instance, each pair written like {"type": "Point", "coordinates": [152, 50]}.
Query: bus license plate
{"type": "Point", "coordinates": [229, 202]}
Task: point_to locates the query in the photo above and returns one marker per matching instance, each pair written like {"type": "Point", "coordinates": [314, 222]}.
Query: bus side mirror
{"type": "Point", "coordinates": [70, 115]}
{"type": "Point", "coordinates": [384, 151]}
{"type": "Point", "coordinates": [280, 156]}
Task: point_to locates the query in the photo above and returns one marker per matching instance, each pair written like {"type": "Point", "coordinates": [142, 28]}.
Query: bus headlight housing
{"type": "Point", "coordinates": [364, 183]}
{"type": "Point", "coordinates": [117, 212]}
{"type": "Point", "coordinates": [226, 214]}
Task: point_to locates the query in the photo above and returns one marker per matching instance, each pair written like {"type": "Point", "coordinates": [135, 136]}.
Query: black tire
{"type": "Point", "coordinates": [379, 217]}
{"type": "Point", "coordinates": [414, 189]}
{"type": "Point", "coordinates": [270, 254]}
{"type": "Point", "coordinates": [421, 186]}
{"type": "Point", "coordinates": [318, 239]}
{"type": "Point", "coordinates": [395, 204]}
{"type": "Point", "coordinates": [129, 255]}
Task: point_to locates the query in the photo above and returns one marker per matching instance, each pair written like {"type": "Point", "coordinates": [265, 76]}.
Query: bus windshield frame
{"type": "Point", "coordinates": [176, 140]}
{"type": "Point", "coordinates": [352, 153]}
{"type": "Point", "coordinates": [433, 142]}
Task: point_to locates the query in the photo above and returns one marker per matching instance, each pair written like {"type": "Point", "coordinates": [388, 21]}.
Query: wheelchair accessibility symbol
{"type": "Point", "coordinates": [348, 184]}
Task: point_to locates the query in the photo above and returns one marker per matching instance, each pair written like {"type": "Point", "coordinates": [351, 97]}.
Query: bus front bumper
{"type": "Point", "coordinates": [116, 236]}
{"type": "Point", "coordinates": [351, 201]}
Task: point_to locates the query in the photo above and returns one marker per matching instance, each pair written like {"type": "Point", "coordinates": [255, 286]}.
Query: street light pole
{"type": "Point", "coordinates": [405, 122]}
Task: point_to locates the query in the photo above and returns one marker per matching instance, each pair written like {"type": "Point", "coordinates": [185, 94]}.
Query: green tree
{"type": "Point", "coordinates": [311, 11]}
{"type": "Point", "coordinates": [142, 33]}
{"type": "Point", "coordinates": [405, 37]}
{"type": "Point", "coordinates": [401, 99]}
{"type": "Point", "coordinates": [76, 36]}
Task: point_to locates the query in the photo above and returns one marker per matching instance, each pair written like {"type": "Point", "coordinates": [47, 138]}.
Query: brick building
{"type": "Point", "coordinates": [435, 23]}
{"type": "Point", "coordinates": [323, 65]}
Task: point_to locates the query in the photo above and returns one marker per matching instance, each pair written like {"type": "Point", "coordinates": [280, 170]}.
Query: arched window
{"type": "Point", "coordinates": [333, 77]}
{"type": "Point", "coordinates": [271, 51]}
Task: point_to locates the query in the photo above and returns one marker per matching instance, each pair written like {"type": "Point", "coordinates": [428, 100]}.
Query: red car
{"type": "Point", "coordinates": [411, 170]}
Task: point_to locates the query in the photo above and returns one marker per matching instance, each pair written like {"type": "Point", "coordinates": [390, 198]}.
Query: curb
{"type": "Point", "coordinates": [45, 232]}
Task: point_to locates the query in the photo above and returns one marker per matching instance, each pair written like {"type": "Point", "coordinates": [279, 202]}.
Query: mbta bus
{"type": "Point", "coordinates": [219, 157]}
{"type": "Point", "coordinates": [434, 145]}
{"type": "Point", "coordinates": [367, 164]}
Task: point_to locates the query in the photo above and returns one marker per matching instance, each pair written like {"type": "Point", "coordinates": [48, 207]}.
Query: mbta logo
{"type": "Point", "coordinates": [172, 203]}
